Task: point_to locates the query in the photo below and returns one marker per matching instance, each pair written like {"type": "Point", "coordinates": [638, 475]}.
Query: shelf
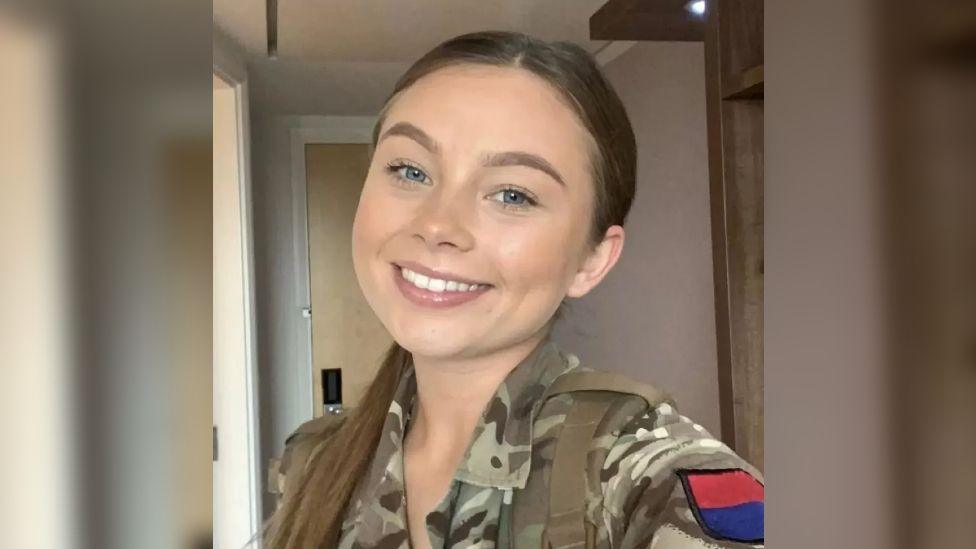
{"type": "Point", "coordinates": [747, 85]}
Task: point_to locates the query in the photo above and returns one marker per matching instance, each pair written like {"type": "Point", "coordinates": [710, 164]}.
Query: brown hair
{"type": "Point", "coordinates": [311, 517]}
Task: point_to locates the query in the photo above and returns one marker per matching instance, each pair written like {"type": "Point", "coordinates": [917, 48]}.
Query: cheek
{"type": "Point", "coordinates": [539, 259]}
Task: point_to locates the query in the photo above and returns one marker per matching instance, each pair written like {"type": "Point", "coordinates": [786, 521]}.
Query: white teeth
{"type": "Point", "coordinates": [436, 284]}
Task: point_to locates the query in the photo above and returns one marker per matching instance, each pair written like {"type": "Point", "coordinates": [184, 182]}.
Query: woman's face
{"type": "Point", "coordinates": [473, 221]}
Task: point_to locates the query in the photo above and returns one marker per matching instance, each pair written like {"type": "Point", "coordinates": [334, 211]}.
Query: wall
{"type": "Point", "coordinates": [653, 318]}
{"type": "Point", "coordinates": [279, 323]}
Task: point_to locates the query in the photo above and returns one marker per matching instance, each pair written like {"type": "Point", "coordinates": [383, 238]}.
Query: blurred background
{"type": "Point", "coordinates": [178, 180]}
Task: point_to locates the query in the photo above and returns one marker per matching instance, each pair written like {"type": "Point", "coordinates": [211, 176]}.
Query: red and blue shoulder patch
{"type": "Point", "coordinates": [727, 503]}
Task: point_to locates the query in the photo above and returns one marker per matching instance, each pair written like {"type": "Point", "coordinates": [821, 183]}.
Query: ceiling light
{"type": "Point", "coordinates": [696, 7]}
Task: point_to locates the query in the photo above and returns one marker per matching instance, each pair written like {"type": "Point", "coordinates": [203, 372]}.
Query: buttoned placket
{"type": "Point", "coordinates": [446, 500]}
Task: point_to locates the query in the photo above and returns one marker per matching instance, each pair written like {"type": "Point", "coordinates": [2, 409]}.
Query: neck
{"type": "Point", "coordinates": [452, 395]}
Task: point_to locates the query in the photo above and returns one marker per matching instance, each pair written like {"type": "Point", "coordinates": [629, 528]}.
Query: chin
{"type": "Point", "coordinates": [432, 341]}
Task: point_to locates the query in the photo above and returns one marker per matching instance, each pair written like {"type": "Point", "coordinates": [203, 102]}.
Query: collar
{"type": "Point", "coordinates": [500, 452]}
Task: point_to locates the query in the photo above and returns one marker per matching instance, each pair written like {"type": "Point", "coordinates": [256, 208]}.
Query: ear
{"type": "Point", "coordinates": [598, 263]}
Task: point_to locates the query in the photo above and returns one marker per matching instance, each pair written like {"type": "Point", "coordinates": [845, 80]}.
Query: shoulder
{"type": "Point", "coordinates": [666, 477]}
{"type": "Point", "coordinates": [301, 446]}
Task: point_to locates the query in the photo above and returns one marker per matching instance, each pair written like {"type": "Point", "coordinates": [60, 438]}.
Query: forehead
{"type": "Point", "coordinates": [475, 108]}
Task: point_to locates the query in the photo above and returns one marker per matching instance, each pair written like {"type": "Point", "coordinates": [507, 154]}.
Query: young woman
{"type": "Point", "coordinates": [503, 170]}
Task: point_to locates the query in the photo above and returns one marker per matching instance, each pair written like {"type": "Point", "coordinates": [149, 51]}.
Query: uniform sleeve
{"type": "Point", "coordinates": [301, 446]}
{"type": "Point", "coordinates": [668, 484]}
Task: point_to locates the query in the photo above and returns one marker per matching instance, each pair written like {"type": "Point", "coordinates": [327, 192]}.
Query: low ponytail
{"type": "Point", "coordinates": [311, 516]}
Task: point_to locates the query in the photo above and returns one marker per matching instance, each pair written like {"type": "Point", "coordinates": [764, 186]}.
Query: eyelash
{"type": "Point", "coordinates": [394, 167]}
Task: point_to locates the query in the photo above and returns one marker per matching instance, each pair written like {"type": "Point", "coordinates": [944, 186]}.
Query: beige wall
{"type": "Point", "coordinates": [653, 318]}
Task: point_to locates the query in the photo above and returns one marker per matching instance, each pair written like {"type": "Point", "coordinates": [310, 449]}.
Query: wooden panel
{"type": "Point", "coordinates": [743, 171]}
{"type": "Point", "coordinates": [740, 37]}
{"type": "Point", "coordinates": [345, 332]}
{"type": "Point", "coordinates": [733, 48]}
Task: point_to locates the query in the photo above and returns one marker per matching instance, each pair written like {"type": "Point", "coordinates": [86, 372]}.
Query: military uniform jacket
{"type": "Point", "coordinates": [664, 482]}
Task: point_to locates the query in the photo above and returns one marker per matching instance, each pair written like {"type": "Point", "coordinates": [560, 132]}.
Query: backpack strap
{"type": "Point", "coordinates": [566, 526]}
{"type": "Point", "coordinates": [592, 380]}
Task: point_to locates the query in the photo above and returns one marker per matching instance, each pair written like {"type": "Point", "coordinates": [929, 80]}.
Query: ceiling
{"type": "Point", "coordinates": [342, 57]}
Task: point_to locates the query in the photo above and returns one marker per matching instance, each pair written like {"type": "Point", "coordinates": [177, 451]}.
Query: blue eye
{"type": "Point", "coordinates": [514, 197]}
{"type": "Point", "coordinates": [413, 174]}
{"type": "Point", "coordinates": [407, 172]}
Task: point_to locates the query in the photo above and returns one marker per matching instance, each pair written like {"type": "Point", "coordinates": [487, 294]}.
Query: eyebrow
{"type": "Point", "coordinates": [408, 130]}
{"type": "Point", "coordinates": [491, 160]}
{"type": "Point", "coordinates": [519, 158]}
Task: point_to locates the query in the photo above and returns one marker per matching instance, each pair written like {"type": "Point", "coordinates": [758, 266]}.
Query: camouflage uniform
{"type": "Point", "coordinates": [499, 497]}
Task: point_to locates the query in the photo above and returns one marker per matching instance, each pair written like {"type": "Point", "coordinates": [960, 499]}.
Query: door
{"type": "Point", "coordinates": [346, 335]}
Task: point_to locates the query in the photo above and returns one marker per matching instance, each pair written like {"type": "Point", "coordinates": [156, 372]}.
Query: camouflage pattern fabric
{"type": "Point", "coordinates": [300, 447]}
{"type": "Point", "coordinates": [499, 495]}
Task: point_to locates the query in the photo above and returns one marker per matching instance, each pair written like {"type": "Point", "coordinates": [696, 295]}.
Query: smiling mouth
{"type": "Point", "coordinates": [429, 290]}
{"type": "Point", "coordinates": [438, 285]}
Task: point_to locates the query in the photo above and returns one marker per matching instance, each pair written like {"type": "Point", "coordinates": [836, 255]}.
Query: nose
{"type": "Point", "coordinates": [441, 224]}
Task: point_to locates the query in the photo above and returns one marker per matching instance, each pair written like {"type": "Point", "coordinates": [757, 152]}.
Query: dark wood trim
{"type": "Point", "coordinates": [733, 64]}
{"type": "Point", "coordinates": [720, 266]}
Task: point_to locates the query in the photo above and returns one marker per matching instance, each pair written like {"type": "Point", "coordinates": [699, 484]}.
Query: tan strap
{"type": "Point", "coordinates": [566, 526]}
{"type": "Point", "coordinates": [574, 382]}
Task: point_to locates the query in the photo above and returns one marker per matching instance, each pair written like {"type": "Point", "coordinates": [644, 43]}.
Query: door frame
{"type": "Point", "coordinates": [227, 67]}
{"type": "Point", "coordinates": [314, 130]}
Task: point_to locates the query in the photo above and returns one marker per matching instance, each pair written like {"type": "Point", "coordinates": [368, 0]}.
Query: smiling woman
{"type": "Point", "coordinates": [502, 174]}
